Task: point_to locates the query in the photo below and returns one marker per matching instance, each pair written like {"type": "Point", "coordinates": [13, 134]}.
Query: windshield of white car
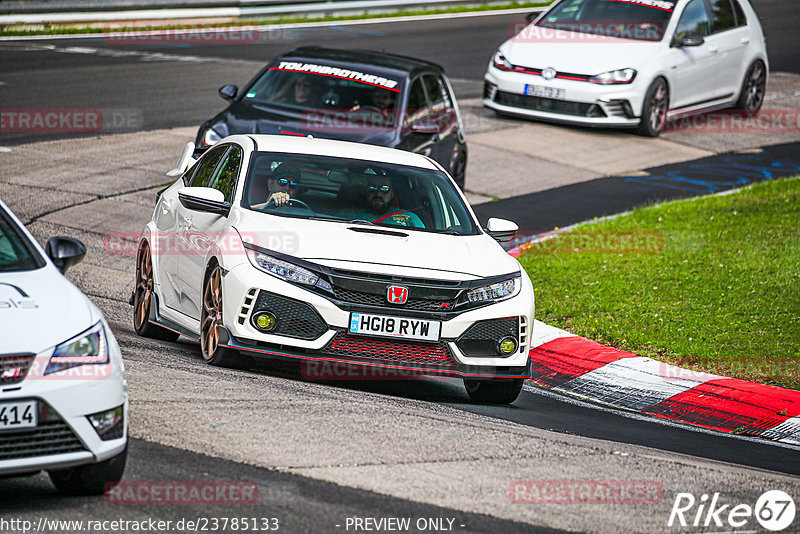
{"type": "Point", "coordinates": [641, 20]}
{"type": "Point", "coordinates": [356, 192]}
{"type": "Point", "coordinates": [16, 253]}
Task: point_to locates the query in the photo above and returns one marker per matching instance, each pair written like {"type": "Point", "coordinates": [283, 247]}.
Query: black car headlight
{"type": "Point", "coordinates": [87, 348]}
{"type": "Point", "coordinates": [285, 270]}
{"type": "Point", "coordinates": [494, 292]}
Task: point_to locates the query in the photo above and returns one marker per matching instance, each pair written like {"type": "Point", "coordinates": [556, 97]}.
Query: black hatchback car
{"type": "Point", "coordinates": [367, 97]}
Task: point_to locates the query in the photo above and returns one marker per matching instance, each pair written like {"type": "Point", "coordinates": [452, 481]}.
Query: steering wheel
{"type": "Point", "coordinates": [370, 109]}
{"type": "Point", "coordinates": [292, 202]}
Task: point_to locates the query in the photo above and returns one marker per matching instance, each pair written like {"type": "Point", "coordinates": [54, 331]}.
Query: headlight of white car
{"type": "Point", "coordinates": [614, 76]}
{"type": "Point", "coordinates": [500, 61]}
{"type": "Point", "coordinates": [285, 270]}
{"type": "Point", "coordinates": [87, 348]}
{"type": "Point", "coordinates": [494, 292]}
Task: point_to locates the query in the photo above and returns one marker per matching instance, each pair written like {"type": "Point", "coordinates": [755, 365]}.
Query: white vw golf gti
{"type": "Point", "coordinates": [338, 253]}
{"type": "Point", "coordinates": [631, 63]}
{"type": "Point", "coordinates": [63, 397]}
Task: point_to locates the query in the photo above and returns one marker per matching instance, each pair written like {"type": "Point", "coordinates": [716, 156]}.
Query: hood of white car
{"type": "Point", "coordinates": [355, 246]}
{"type": "Point", "coordinates": [40, 309]}
{"type": "Point", "coordinates": [561, 52]}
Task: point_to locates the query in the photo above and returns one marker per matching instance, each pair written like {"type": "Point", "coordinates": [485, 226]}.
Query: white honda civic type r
{"type": "Point", "coordinates": [63, 395]}
{"type": "Point", "coordinates": [332, 252]}
{"type": "Point", "coordinates": [631, 63]}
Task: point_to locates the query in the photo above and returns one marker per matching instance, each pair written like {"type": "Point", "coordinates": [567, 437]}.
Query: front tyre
{"type": "Point", "coordinates": [211, 326]}
{"type": "Point", "coordinates": [494, 391]}
{"type": "Point", "coordinates": [89, 479]}
{"type": "Point", "coordinates": [753, 88]}
{"type": "Point", "coordinates": [654, 111]}
{"type": "Point", "coordinates": [143, 299]}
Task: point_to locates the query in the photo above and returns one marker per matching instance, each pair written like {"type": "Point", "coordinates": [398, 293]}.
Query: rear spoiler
{"type": "Point", "coordinates": [184, 162]}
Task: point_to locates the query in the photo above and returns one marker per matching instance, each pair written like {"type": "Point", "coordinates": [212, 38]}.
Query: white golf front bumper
{"type": "Point", "coordinates": [64, 436]}
{"type": "Point", "coordinates": [580, 102]}
{"type": "Point", "coordinates": [244, 284]}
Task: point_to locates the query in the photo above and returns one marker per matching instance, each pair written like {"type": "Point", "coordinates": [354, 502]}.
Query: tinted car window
{"type": "Point", "coordinates": [693, 21]}
{"type": "Point", "coordinates": [722, 17]}
{"type": "Point", "coordinates": [206, 167]}
{"type": "Point", "coordinates": [416, 97]}
{"type": "Point", "coordinates": [741, 20]}
{"type": "Point", "coordinates": [226, 176]}
{"type": "Point", "coordinates": [15, 253]}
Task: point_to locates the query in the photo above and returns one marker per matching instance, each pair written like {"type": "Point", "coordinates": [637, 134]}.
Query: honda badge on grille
{"type": "Point", "coordinates": [397, 294]}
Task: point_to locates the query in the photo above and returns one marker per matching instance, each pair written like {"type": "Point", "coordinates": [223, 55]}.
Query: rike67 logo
{"type": "Point", "coordinates": [774, 510]}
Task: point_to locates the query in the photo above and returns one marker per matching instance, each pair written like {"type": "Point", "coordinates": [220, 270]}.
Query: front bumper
{"type": "Point", "coordinates": [245, 285]}
{"type": "Point", "coordinates": [64, 437]}
{"type": "Point", "coordinates": [584, 103]}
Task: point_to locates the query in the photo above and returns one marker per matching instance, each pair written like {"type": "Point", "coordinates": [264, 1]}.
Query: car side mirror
{"type": "Point", "coordinates": [228, 92]}
{"type": "Point", "coordinates": [690, 39]}
{"type": "Point", "coordinates": [65, 252]}
{"type": "Point", "coordinates": [502, 230]}
{"type": "Point", "coordinates": [205, 199]}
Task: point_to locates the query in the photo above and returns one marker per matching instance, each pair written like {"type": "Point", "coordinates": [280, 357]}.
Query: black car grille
{"type": "Point", "coordinates": [481, 338]}
{"type": "Point", "coordinates": [390, 351]}
{"type": "Point", "coordinates": [374, 299]}
{"type": "Point", "coordinates": [295, 318]}
{"type": "Point", "coordinates": [367, 289]}
{"type": "Point", "coordinates": [14, 367]}
{"type": "Point", "coordinates": [51, 436]}
{"type": "Point", "coordinates": [551, 105]}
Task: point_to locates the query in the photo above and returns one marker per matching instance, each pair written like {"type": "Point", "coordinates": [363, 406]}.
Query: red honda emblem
{"type": "Point", "coordinates": [397, 294]}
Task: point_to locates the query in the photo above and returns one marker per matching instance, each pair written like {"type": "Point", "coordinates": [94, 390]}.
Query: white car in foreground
{"type": "Point", "coordinates": [332, 252]}
{"type": "Point", "coordinates": [63, 396]}
{"type": "Point", "coordinates": [634, 63]}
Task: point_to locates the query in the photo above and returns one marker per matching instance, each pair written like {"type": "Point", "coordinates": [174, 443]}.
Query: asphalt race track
{"type": "Point", "coordinates": [322, 452]}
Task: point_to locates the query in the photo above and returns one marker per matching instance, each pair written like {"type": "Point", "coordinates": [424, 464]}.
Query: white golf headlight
{"type": "Point", "coordinates": [210, 137]}
{"type": "Point", "coordinates": [500, 61]}
{"type": "Point", "coordinates": [614, 76]}
{"type": "Point", "coordinates": [87, 348]}
{"type": "Point", "coordinates": [495, 292]}
{"type": "Point", "coordinates": [281, 269]}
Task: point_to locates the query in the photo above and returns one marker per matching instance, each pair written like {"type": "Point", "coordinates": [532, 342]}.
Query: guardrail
{"type": "Point", "coordinates": [76, 12]}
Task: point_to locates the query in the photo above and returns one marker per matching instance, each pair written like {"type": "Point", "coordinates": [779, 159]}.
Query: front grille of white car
{"type": "Point", "coordinates": [389, 351]}
{"type": "Point", "coordinates": [51, 436]}
{"type": "Point", "coordinates": [14, 367]}
{"type": "Point", "coordinates": [550, 105]}
{"type": "Point", "coordinates": [294, 318]}
{"type": "Point", "coordinates": [481, 339]}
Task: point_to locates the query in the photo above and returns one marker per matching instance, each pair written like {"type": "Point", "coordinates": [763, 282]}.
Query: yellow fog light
{"type": "Point", "coordinates": [507, 345]}
{"type": "Point", "coordinates": [264, 321]}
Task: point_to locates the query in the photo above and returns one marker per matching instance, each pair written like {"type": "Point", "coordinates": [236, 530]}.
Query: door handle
{"type": "Point", "coordinates": [745, 40]}
{"type": "Point", "coordinates": [713, 49]}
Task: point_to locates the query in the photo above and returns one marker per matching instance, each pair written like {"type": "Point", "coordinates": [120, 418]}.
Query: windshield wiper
{"type": "Point", "coordinates": [361, 221]}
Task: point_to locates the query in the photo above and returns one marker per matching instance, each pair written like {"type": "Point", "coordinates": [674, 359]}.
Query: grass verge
{"type": "Point", "coordinates": [263, 22]}
{"type": "Point", "coordinates": [712, 284]}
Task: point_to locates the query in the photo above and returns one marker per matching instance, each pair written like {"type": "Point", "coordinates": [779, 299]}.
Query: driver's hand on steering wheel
{"type": "Point", "coordinates": [280, 198]}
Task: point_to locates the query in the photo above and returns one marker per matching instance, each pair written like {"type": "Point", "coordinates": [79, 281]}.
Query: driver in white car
{"type": "Point", "coordinates": [283, 184]}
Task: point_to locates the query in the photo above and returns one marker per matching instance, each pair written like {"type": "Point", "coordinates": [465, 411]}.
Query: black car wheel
{"type": "Point", "coordinates": [753, 88]}
{"type": "Point", "coordinates": [654, 111]}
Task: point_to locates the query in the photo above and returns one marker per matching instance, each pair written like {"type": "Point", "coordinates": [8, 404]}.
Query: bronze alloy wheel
{"type": "Point", "coordinates": [211, 326]}
{"type": "Point", "coordinates": [143, 299]}
{"type": "Point", "coordinates": [211, 316]}
{"type": "Point", "coordinates": [144, 288]}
